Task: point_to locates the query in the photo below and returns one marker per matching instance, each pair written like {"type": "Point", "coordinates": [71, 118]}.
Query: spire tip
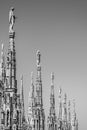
{"type": "Point", "coordinates": [38, 57]}
{"type": "Point", "coordinates": [52, 76]}
{"type": "Point", "coordinates": [2, 46]}
{"type": "Point", "coordinates": [31, 77]}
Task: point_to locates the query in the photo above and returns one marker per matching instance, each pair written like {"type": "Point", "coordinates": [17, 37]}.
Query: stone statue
{"type": "Point", "coordinates": [38, 57]}
{"type": "Point", "coordinates": [11, 19]}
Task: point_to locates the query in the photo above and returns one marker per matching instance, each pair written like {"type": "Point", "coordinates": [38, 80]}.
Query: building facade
{"type": "Point", "coordinates": [12, 112]}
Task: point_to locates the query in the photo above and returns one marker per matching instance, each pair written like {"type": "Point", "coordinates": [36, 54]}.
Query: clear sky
{"type": "Point", "coordinates": [59, 30]}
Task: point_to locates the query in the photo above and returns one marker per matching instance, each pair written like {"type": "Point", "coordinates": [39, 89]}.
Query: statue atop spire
{"type": "Point", "coordinates": [38, 57]}
{"type": "Point", "coordinates": [60, 90]}
{"type": "Point", "coordinates": [22, 82]}
{"type": "Point", "coordinates": [11, 20]}
{"type": "Point", "coordinates": [31, 77]}
{"type": "Point", "coordinates": [11, 56]}
{"type": "Point", "coordinates": [52, 78]}
{"type": "Point", "coordinates": [52, 83]}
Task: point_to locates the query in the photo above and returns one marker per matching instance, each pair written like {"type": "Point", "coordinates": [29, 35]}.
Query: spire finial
{"type": "Point", "coordinates": [11, 19]}
{"type": "Point", "coordinates": [60, 90]}
{"type": "Point", "coordinates": [52, 83]}
{"type": "Point", "coordinates": [21, 79]}
{"type": "Point", "coordinates": [22, 99]}
{"type": "Point", "coordinates": [38, 57]}
{"type": "Point", "coordinates": [21, 90]}
{"type": "Point", "coordinates": [52, 78]}
{"type": "Point", "coordinates": [2, 46]}
{"type": "Point", "coordinates": [31, 77]}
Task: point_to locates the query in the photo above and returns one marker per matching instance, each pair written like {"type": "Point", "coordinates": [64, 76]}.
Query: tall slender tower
{"type": "Point", "coordinates": [31, 105]}
{"type": "Point", "coordinates": [65, 112]}
{"type": "Point", "coordinates": [51, 122]}
{"type": "Point", "coordinates": [39, 82]}
{"type": "Point", "coordinates": [23, 120]}
{"type": "Point", "coordinates": [74, 119]}
{"type": "Point", "coordinates": [11, 58]}
{"type": "Point", "coordinates": [52, 97]}
{"type": "Point", "coordinates": [60, 111]}
{"type": "Point", "coordinates": [10, 88]}
{"type": "Point", "coordinates": [40, 118]}
{"type": "Point", "coordinates": [22, 100]}
{"type": "Point", "coordinates": [60, 105]}
{"type": "Point", "coordinates": [69, 116]}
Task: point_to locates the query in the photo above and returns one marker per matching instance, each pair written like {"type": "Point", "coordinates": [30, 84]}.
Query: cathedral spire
{"type": "Point", "coordinates": [65, 108]}
{"type": "Point", "coordinates": [38, 57]}
{"type": "Point", "coordinates": [51, 122]}
{"type": "Point", "coordinates": [31, 93]}
{"type": "Point", "coordinates": [52, 83]}
{"type": "Point", "coordinates": [32, 89]}
{"type": "Point", "coordinates": [2, 65]}
{"type": "Point", "coordinates": [60, 105]}
{"type": "Point", "coordinates": [31, 102]}
{"type": "Point", "coordinates": [52, 98]}
{"type": "Point", "coordinates": [69, 116]}
{"type": "Point", "coordinates": [73, 116]}
{"type": "Point", "coordinates": [11, 57]}
{"type": "Point", "coordinates": [22, 99]}
{"type": "Point", "coordinates": [69, 113]}
{"type": "Point", "coordinates": [38, 81]}
{"type": "Point", "coordinates": [40, 122]}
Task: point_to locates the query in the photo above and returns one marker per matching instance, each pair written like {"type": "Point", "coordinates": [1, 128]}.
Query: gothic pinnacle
{"type": "Point", "coordinates": [22, 93]}
{"type": "Point", "coordinates": [52, 97]}
{"type": "Point", "coordinates": [65, 108]}
{"type": "Point", "coordinates": [31, 77]}
{"type": "Point", "coordinates": [52, 83]}
{"type": "Point", "coordinates": [22, 99]}
{"type": "Point", "coordinates": [38, 57]}
{"type": "Point", "coordinates": [52, 78]}
{"type": "Point", "coordinates": [60, 104]}
{"type": "Point", "coordinates": [65, 98]}
{"type": "Point", "coordinates": [2, 47]}
{"type": "Point", "coordinates": [60, 90]}
{"type": "Point", "coordinates": [74, 113]}
{"type": "Point", "coordinates": [22, 81]}
{"type": "Point", "coordinates": [11, 57]}
{"type": "Point", "coordinates": [32, 86]}
{"type": "Point", "coordinates": [69, 114]}
{"type": "Point", "coordinates": [21, 90]}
